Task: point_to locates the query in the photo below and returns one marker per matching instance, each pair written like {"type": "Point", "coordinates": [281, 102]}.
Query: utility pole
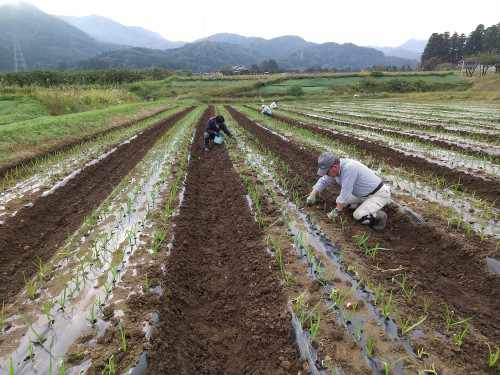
{"type": "Point", "coordinates": [19, 62]}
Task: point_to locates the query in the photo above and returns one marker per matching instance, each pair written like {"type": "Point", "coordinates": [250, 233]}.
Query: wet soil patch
{"type": "Point", "coordinates": [41, 229]}
{"type": "Point", "coordinates": [223, 310]}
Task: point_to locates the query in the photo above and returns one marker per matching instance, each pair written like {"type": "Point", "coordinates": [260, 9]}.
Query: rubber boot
{"type": "Point", "coordinates": [207, 148]}
{"type": "Point", "coordinates": [380, 221]}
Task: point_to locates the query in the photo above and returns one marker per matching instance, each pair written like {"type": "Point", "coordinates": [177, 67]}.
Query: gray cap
{"type": "Point", "coordinates": [325, 162]}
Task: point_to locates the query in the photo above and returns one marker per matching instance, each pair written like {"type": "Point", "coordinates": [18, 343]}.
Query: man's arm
{"type": "Point", "coordinates": [226, 130]}
{"type": "Point", "coordinates": [322, 183]}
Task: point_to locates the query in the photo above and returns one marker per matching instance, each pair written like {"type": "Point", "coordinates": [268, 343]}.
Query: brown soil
{"type": "Point", "coordinates": [224, 311]}
{"type": "Point", "coordinates": [485, 188]}
{"type": "Point", "coordinates": [40, 230]}
{"type": "Point", "coordinates": [224, 308]}
{"type": "Point", "coordinates": [447, 265]}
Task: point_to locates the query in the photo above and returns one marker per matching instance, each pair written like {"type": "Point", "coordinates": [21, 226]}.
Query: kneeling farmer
{"type": "Point", "coordinates": [361, 189]}
{"type": "Point", "coordinates": [213, 128]}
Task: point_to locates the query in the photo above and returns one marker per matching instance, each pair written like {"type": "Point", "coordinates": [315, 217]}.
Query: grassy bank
{"type": "Point", "coordinates": [26, 139]}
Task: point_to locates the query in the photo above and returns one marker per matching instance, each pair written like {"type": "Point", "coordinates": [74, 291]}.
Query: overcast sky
{"type": "Point", "coordinates": [362, 22]}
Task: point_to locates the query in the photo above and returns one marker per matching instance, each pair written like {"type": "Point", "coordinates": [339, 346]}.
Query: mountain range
{"type": "Point", "coordinates": [108, 31]}
{"type": "Point", "coordinates": [61, 42]}
{"type": "Point", "coordinates": [412, 49]}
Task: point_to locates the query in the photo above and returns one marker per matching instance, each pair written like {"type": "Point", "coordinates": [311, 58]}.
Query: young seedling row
{"type": "Point", "coordinates": [210, 261]}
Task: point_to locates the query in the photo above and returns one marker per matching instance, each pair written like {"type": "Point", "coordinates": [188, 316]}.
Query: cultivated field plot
{"type": "Point", "coordinates": [141, 253]}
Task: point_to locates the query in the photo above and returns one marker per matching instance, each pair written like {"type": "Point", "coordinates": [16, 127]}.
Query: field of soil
{"type": "Point", "coordinates": [447, 267]}
{"type": "Point", "coordinates": [217, 298]}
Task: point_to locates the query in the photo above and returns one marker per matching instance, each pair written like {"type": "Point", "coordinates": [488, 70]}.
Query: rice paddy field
{"type": "Point", "coordinates": [138, 252]}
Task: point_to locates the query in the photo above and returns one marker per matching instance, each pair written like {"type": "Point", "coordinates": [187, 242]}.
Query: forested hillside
{"type": "Point", "coordinates": [45, 41]}
{"type": "Point", "coordinates": [482, 43]}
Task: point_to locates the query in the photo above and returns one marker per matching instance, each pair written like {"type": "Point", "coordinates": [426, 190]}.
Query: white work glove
{"type": "Point", "coordinates": [311, 199]}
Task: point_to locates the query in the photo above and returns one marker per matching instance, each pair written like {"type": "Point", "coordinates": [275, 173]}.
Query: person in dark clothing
{"type": "Point", "coordinates": [213, 129]}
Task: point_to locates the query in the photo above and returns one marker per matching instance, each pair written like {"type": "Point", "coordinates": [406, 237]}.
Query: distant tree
{"type": "Point", "coordinates": [430, 49]}
{"type": "Point", "coordinates": [272, 66]}
{"type": "Point", "coordinates": [438, 47]}
{"type": "Point", "coordinates": [264, 66]}
{"type": "Point", "coordinates": [455, 51]}
{"type": "Point", "coordinates": [487, 60]}
{"type": "Point", "coordinates": [405, 67]}
{"type": "Point", "coordinates": [475, 42]}
{"type": "Point", "coordinates": [254, 69]}
{"type": "Point", "coordinates": [492, 39]}
{"type": "Point", "coordinates": [431, 63]}
{"type": "Point", "coordinates": [296, 90]}
{"type": "Point", "coordinates": [227, 70]}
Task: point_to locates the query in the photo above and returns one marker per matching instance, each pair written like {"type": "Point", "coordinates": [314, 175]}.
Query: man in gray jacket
{"type": "Point", "coordinates": [361, 189]}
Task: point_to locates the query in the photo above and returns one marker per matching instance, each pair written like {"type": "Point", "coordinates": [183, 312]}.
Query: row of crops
{"type": "Point", "coordinates": [417, 298]}
{"type": "Point", "coordinates": [441, 215]}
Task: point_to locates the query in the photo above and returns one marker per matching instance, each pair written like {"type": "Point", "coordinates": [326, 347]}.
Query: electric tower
{"type": "Point", "coordinates": [19, 63]}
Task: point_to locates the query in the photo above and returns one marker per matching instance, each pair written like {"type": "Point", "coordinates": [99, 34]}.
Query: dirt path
{"type": "Point", "coordinates": [41, 229]}
{"type": "Point", "coordinates": [223, 310]}
{"type": "Point", "coordinates": [447, 267]}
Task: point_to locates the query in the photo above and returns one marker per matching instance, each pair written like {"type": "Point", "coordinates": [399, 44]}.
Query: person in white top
{"type": "Point", "coordinates": [361, 189]}
{"type": "Point", "coordinates": [266, 110]}
{"type": "Point", "coordinates": [274, 105]}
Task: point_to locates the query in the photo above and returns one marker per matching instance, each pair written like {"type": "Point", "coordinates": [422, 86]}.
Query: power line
{"type": "Point", "coordinates": [19, 62]}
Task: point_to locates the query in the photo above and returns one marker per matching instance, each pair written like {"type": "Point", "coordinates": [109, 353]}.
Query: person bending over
{"type": "Point", "coordinates": [361, 189]}
{"type": "Point", "coordinates": [214, 126]}
{"type": "Point", "coordinates": [266, 110]}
